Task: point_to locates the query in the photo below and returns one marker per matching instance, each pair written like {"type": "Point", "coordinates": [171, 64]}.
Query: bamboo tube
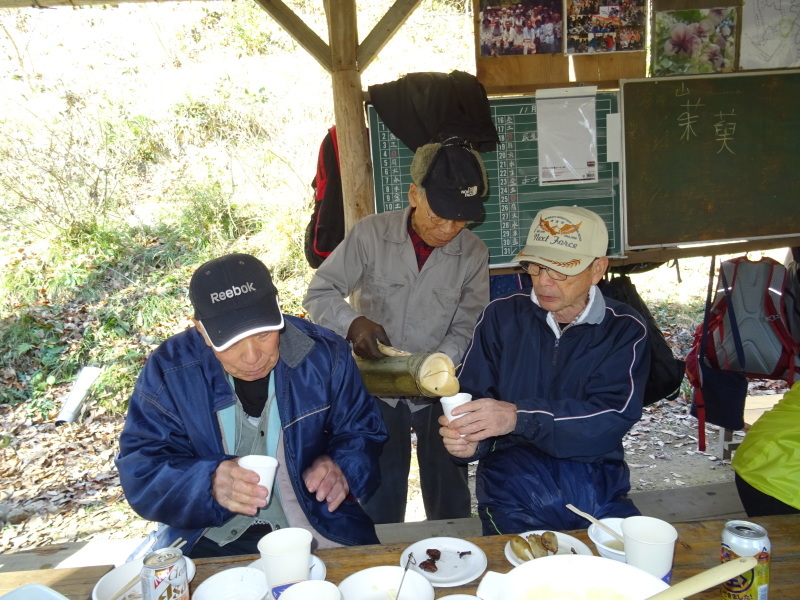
{"type": "Point", "coordinates": [431, 375]}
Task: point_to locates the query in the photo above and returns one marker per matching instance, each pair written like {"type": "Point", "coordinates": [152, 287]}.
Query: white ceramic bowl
{"type": "Point", "coordinates": [570, 576]}
{"type": "Point", "coordinates": [113, 581]}
{"type": "Point", "coordinates": [238, 583]}
{"type": "Point", "coordinates": [602, 538]}
{"type": "Point", "coordinates": [380, 583]}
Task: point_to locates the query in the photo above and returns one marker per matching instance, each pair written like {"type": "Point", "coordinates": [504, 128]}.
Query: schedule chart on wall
{"type": "Point", "coordinates": [515, 193]}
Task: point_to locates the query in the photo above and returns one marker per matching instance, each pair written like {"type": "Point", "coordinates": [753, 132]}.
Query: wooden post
{"type": "Point", "coordinates": [348, 104]}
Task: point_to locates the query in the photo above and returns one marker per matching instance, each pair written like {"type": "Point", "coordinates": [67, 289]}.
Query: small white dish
{"type": "Point", "coordinates": [459, 597]}
{"type": "Point", "coordinates": [317, 568]}
{"type": "Point", "coordinates": [237, 583]}
{"type": "Point", "coordinates": [381, 583]}
{"type": "Point", "coordinates": [602, 539]}
{"type": "Point", "coordinates": [461, 561]}
{"type": "Point", "coordinates": [566, 545]}
{"type": "Point", "coordinates": [113, 581]}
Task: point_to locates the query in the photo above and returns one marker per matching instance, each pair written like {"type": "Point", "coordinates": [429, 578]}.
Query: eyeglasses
{"type": "Point", "coordinates": [439, 221]}
{"type": "Point", "coordinates": [535, 269]}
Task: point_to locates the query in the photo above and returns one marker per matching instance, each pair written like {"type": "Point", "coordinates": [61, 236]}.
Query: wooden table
{"type": "Point", "coordinates": [697, 549]}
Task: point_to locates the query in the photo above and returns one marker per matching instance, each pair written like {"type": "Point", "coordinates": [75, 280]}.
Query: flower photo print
{"type": "Point", "coordinates": [689, 42]}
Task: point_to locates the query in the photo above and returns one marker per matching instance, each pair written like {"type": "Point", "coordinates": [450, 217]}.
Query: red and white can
{"type": "Point", "coordinates": [164, 575]}
{"type": "Point", "coordinates": [742, 538]}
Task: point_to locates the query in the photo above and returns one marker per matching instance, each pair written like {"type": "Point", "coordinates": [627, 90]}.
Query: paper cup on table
{"type": "Point", "coordinates": [650, 545]}
{"type": "Point", "coordinates": [285, 556]}
{"type": "Point", "coordinates": [265, 466]}
{"type": "Point", "coordinates": [450, 402]}
{"type": "Point", "coordinates": [312, 590]}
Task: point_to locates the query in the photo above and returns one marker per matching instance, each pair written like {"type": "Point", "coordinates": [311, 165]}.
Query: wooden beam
{"type": "Point", "coordinates": [384, 30]}
{"type": "Point", "coordinates": [302, 33]}
{"type": "Point", "coordinates": [351, 131]}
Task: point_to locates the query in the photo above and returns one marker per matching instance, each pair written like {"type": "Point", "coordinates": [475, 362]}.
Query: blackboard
{"type": "Point", "coordinates": [711, 158]}
{"type": "Point", "coordinates": [514, 193]}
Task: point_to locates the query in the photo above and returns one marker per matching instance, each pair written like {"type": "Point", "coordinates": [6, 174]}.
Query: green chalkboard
{"type": "Point", "coordinates": [711, 158]}
{"type": "Point", "coordinates": [515, 195]}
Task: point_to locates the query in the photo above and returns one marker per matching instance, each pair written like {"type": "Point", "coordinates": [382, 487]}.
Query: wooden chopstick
{"type": "Point", "coordinates": [178, 543]}
{"type": "Point", "coordinates": [600, 524]}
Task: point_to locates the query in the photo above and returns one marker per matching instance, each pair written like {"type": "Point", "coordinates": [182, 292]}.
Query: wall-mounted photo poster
{"type": "Point", "coordinates": [606, 26]}
{"type": "Point", "coordinates": [690, 42]}
{"type": "Point", "coordinates": [521, 28]}
{"type": "Point", "coordinates": [770, 35]}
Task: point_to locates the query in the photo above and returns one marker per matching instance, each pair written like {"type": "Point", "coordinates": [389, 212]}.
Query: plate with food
{"type": "Point", "coordinates": [446, 561]}
{"type": "Point", "coordinates": [536, 544]}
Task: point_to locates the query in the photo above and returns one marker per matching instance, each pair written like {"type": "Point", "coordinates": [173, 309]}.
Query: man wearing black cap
{"type": "Point", "coordinates": [416, 280]}
{"type": "Point", "coordinates": [249, 380]}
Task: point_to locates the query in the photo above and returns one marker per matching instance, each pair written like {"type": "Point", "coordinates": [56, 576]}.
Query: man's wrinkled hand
{"type": "Point", "coordinates": [237, 489]}
{"type": "Point", "coordinates": [365, 335]}
{"type": "Point", "coordinates": [453, 442]}
{"type": "Point", "coordinates": [326, 481]}
{"type": "Point", "coordinates": [484, 418]}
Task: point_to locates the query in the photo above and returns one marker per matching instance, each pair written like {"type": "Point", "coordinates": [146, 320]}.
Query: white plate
{"type": "Point", "coordinates": [318, 570]}
{"type": "Point", "coordinates": [566, 543]}
{"type": "Point", "coordinates": [112, 581]}
{"type": "Point", "coordinates": [459, 597]}
{"type": "Point", "coordinates": [452, 570]}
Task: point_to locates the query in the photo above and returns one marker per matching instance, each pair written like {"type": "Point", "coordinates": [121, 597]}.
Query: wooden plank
{"type": "Point", "coordinates": [611, 66]}
{"type": "Point", "coordinates": [521, 74]}
{"type": "Point", "coordinates": [75, 584]}
{"type": "Point", "coordinates": [302, 33]}
{"type": "Point", "coordinates": [384, 30]}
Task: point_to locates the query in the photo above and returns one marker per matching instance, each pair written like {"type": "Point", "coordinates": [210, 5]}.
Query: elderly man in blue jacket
{"type": "Point", "coordinates": [557, 375]}
{"type": "Point", "coordinates": [249, 380]}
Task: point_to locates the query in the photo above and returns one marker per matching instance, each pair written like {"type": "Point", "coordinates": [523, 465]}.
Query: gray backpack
{"type": "Point", "coordinates": [749, 331]}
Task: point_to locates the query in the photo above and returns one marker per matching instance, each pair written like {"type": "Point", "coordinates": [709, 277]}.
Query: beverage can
{"type": "Point", "coordinates": [742, 538]}
{"type": "Point", "coordinates": [164, 575]}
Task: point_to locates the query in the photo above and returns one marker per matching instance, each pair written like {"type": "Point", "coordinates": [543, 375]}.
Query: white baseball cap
{"type": "Point", "coordinates": [566, 239]}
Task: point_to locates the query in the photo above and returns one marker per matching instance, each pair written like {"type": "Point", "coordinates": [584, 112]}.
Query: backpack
{"type": "Point", "coordinates": [326, 228]}
{"type": "Point", "coordinates": [666, 372]}
{"type": "Point", "coordinates": [744, 333]}
{"type": "Point", "coordinates": [748, 327]}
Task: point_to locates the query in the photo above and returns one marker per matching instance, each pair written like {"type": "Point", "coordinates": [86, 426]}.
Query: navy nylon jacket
{"type": "Point", "coordinates": [171, 443]}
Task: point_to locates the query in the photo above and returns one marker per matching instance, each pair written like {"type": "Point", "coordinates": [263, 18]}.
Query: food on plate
{"type": "Point", "coordinates": [429, 566]}
{"type": "Point", "coordinates": [550, 542]}
{"type": "Point", "coordinates": [434, 554]}
{"type": "Point", "coordinates": [535, 545]}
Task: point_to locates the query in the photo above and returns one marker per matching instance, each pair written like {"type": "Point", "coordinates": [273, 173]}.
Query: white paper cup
{"type": "Point", "coordinates": [450, 402]}
{"type": "Point", "coordinates": [650, 545]}
{"type": "Point", "coordinates": [265, 466]}
{"type": "Point", "coordinates": [285, 556]}
{"type": "Point", "coordinates": [312, 590]}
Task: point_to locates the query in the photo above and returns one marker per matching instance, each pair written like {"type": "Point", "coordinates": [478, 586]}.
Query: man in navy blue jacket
{"type": "Point", "coordinates": [249, 380]}
{"type": "Point", "coordinates": [557, 375]}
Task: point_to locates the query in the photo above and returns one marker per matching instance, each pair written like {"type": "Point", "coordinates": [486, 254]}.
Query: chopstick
{"type": "Point", "coordinates": [600, 524]}
{"type": "Point", "coordinates": [178, 543]}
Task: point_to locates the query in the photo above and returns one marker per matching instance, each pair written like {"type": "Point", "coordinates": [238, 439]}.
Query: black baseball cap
{"type": "Point", "coordinates": [233, 298]}
{"type": "Point", "coordinates": [454, 183]}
